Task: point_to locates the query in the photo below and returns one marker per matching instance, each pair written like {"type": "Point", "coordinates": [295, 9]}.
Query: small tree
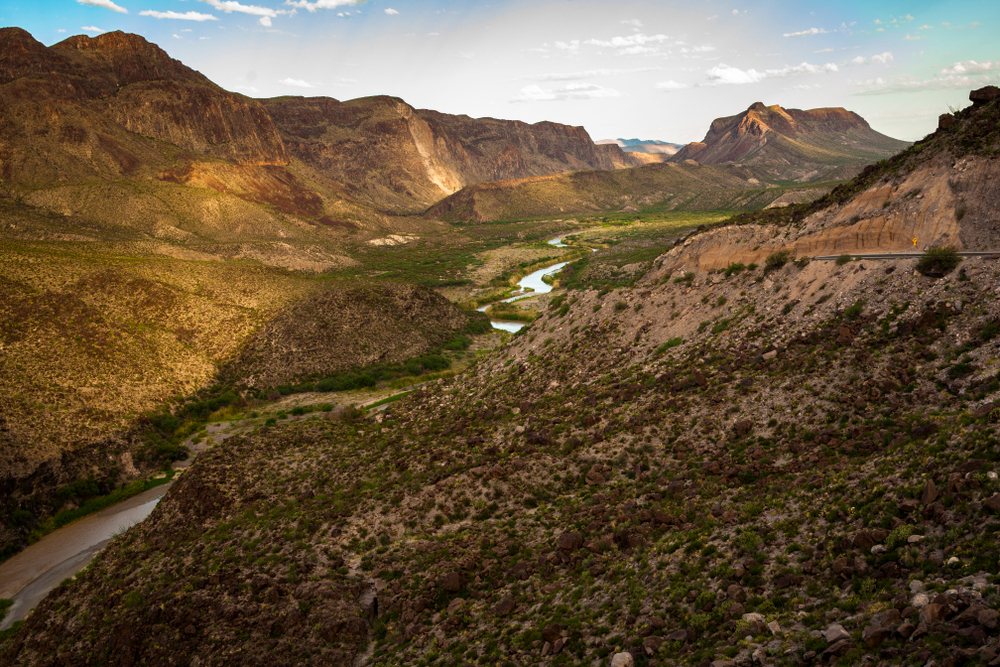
{"type": "Point", "coordinates": [938, 262]}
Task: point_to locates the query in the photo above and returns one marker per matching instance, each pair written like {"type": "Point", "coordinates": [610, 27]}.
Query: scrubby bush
{"type": "Point", "coordinates": [778, 259]}
{"type": "Point", "coordinates": [938, 262]}
{"type": "Point", "coordinates": [843, 259]}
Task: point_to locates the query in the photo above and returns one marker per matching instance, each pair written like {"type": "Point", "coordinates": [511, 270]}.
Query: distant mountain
{"type": "Point", "coordinates": [402, 159]}
{"type": "Point", "coordinates": [643, 145]}
{"type": "Point", "coordinates": [791, 141]}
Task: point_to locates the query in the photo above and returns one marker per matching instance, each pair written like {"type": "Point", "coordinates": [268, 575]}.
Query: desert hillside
{"type": "Point", "coordinates": [785, 462]}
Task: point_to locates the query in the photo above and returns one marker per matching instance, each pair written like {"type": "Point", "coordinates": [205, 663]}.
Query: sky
{"type": "Point", "coordinates": [648, 69]}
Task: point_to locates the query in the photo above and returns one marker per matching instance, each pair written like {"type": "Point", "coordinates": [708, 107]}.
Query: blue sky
{"type": "Point", "coordinates": [653, 69]}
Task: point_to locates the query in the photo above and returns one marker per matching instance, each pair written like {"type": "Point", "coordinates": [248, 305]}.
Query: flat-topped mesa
{"type": "Point", "coordinates": [771, 134]}
{"type": "Point", "coordinates": [140, 87]}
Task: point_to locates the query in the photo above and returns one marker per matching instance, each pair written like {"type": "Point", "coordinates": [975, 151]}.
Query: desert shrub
{"type": "Point", "coordinates": [778, 259]}
{"type": "Point", "coordinates": [938, 262]}
{"type": "Point", "coordinates": [843, 259]}
{"type": "Point", "coordinates": [734, 268]}
{"type": "Point", "coordinates": [854, 311]}
{"type": "Point", "coordinates": [673, 342]}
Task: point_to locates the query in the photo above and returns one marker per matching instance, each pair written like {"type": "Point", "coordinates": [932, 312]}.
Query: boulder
{"type": "Point", "coordinates": [570, 541]}
{"type": "Point", "coordinates": [836, 633]}
{"type": "Point", "coordinates": [505, 606]}
{"type": "Point", "coordinates": [451, 582]}
{"type": "Point", "coordinates": [622, 660]}
{"type": "Point", "coordinates": [946, 120]}
{"type": "Point", "coordinates": [984, 95]}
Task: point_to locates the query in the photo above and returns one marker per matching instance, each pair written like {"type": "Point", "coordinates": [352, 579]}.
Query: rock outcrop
{"type": "Point", "coordinates": [80, 94]}
{"type": "Point", "coordinates": [791, 139]}
{"type": "Point", "coordinates": [403, 159]}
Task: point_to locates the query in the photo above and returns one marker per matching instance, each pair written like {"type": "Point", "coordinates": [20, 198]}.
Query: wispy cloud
{"type": "Point", "coordinates": [91, 28]}
{"type": "Point", "coordinates": [107, 4]}
{"type": "Point", "coordinates": [298, 83]}
{"type": "Point", "coordinates": [571, 91]}
{"type": "Point", "coordinates": [390, 11]}
{"type": "Point", "coordinates": [878, 59]}
{"type": "Point", "coordinates": [586, 74]}
{"type": "Point", "coordinates": [723, 74]}
{"type": "Point", "coordinates": [187, 16]}
{"type": "Point", "coordinates": [967, 74]}
{"type": "Point", "coordinates": [824, 51]}
{"type": "Point", "coordinates": [970, 67]}
{"type": "Point", "coordinates": [810, 31]}
{"type": "Point", "coordinates": [671, 85]}
{"type": "Point", "coordinates": [322, 4]}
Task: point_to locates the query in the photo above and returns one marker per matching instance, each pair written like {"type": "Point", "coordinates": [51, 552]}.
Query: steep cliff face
{"type": "Point", "coordinates": [404, 159]}
{"type": "Point", "coordinates": [90, 89]}
{"type": "Point", "coordinates": [791, 138]}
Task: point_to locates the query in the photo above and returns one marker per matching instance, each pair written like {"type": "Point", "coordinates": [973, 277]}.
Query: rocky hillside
{"type": "Point", "coordinates": [663, 187]}
{"type": "Point", "coordinates": [403, 159]}
{"type": "Point", "coordinates": [789, 464]}
{"type": "Point", "coordinates": [338, 329]}
{"type": "Point", "coordinates": [132, 83]}
{"type": "Point", "coordinates": [941, 191]}
{"type": "Point", "coordinates": [798, 144]}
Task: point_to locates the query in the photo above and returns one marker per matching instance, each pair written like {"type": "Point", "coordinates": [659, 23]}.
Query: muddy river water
{"type": "Point", "coordinates": [31, 574]}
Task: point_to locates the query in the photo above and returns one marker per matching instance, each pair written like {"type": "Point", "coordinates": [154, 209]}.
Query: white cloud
{"type": "Point", "coordinates": [176, 36]}
{"type": "Point", "coordinates": [61, 30]}
{"type": "Point", "coordinates": [107, 4]}
{"type": "Point", "coordinates": [859, 60]}
{"type": "Point", "coordinates": [970, 67]}
{"type": "Point", "coordinates": [573, 45]}
{"type": "Point", "coordinates": [925, 27]}
{"type": "Point", "coordinates": [230, 6]}
{"type": "Point", "coordinates": [630, 40]}
{"type": "Point", "coordinates": [390, 11]}
{"type": "Point", "coordinates": [187, 16]}
{"type": "Point", "coordinates": [712, 17]}
{"type": "Point", "coordinates": [635, 23]}
{"type": "Point", "coordinates": [671, 85]}
{"type": "Point", "coordinates": [322, 4]}
{"type": "Point", "coordinates": [736, 12]}
{"type": "Point", "coordinates": [882, 58]}
{"type": "Point", "coordinates": [572, 91]}
{"type": "Point", "coordinates": [810, 31]}
{"type": "Point", "coordinates": [265, 21]}
{"type": "Point", "coordinates": [587, 74]}
{"type": "Point", "coordinates": [723, 74]}
{"type": "Point", "coordinates": [913, 38]}
{"type": "Point", "coordinates": [298, 83]}
{"type": "Point", "coordinates": [824, 51]}
{"type": "Point", "coordinates": [91, 28]}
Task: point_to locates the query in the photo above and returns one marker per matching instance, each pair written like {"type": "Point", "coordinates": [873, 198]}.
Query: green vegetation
{"type": "Point", "coordinates": [777, 259]}
{"type": "Point", "coordinates": [843, 259]}
{"type": "Point", "coordinates": [939, 261]}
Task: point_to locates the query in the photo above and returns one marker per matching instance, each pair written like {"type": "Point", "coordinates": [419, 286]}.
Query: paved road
{"type": "Point", "coordinates": [907, 255]}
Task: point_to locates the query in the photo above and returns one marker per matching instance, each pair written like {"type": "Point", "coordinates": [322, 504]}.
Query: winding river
{"type": "Point", "coordinates": [529, 286]}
